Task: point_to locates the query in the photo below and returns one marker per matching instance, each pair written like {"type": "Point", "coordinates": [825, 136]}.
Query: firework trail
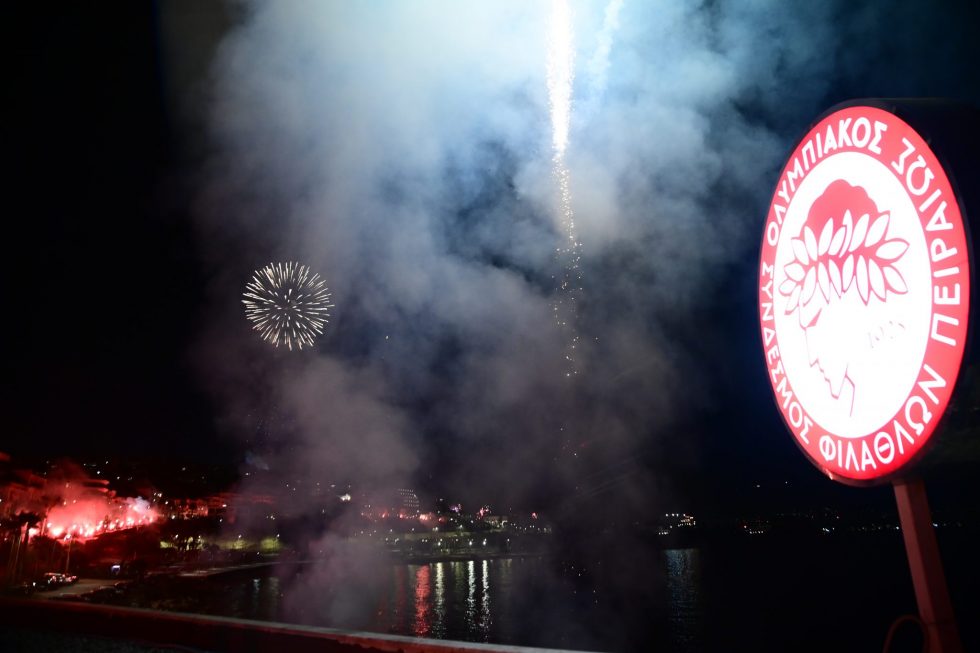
{"type": "Point", "coordinates": [287, 304]}
{"type": "Point", "coordinates": [568, 254]}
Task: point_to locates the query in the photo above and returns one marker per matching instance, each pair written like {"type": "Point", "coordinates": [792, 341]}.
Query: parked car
{"type": "Point", "coordinates": [53, 579]}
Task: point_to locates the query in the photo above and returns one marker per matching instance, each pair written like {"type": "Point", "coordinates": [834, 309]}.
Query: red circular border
{"type": "Point", "coordinates": [944, 359]}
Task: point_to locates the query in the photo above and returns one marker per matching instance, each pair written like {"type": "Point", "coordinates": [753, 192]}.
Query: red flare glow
{"type": "Point", "coordinates": [90, 517]}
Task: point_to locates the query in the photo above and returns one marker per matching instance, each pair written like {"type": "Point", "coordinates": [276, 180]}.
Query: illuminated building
{"type": "Point", "coordinates": [407, 503]}
{"type": "Point", "coordinates": [679, 520]}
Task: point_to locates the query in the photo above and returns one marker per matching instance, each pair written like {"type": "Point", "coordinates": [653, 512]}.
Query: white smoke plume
{"type": "Point", "coordinates": [596, 69]}
{"type": "Point", "coordinates": [404, 152]}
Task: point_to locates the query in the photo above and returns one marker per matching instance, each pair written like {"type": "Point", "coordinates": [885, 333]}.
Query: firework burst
{"type": "Point", "coordinates": [287, 304]}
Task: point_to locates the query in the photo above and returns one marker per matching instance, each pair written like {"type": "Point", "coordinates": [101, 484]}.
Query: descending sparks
{"type": "Point", "coordinates": [287, 304]}
{"type": "Point", "coordinates": [570, 284]}
{"type": "Point", "coordinates": [568, 254]}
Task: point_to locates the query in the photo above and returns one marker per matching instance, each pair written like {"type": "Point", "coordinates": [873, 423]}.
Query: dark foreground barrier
{"type": "Point", "coordinates": [148, 629]}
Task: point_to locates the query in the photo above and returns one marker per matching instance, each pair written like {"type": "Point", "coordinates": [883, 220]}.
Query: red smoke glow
{"type": "Point", "coordinates": [92, 516]}
{"type": "Point", "coordinates": [72, 505]}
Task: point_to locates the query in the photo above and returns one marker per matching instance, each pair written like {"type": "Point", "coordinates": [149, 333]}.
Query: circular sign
{"type": "Point", "coordinates": [864, 288]}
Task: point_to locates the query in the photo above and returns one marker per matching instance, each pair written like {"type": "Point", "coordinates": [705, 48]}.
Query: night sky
{"type": "Point", "coordinates": [159, 152]}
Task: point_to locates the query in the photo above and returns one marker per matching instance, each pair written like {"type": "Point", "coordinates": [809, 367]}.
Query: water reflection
{"type": "Point", "coordinates": [484, 622]}
{"type": "Point", "coordinates": [704, 598]}
{"type": "Point", "coordinates": [423, 605]}
{"type": "Point", "coordinates": [504, 586]}
{"type": "Point", "coordinates": [439, 627]}
{"type": "Point", "coordinates": [401, 598]}
{"type": "Point", "coordinates": [252, 598]}
{"type": "Point", "coordinates": [458, 606]}
{"type": "Point", "coordinates": [470, 594]}
{"type": "Point", "coordinates": [683, 568]}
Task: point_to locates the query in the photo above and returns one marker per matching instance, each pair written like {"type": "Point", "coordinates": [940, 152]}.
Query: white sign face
{"type": "Point", "coordinates": [863, 293]}
{"type": "Point", "coordinates": [853, 342]}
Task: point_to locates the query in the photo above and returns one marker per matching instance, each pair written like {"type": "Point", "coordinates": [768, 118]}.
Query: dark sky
{"type": "Point", "coordinates": [148, 168]}
{"type": "Point", "coordinates": [99, 364]}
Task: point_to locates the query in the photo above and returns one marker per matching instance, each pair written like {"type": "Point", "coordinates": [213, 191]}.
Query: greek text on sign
{"type": "Point", "coordinates": [864, 291]}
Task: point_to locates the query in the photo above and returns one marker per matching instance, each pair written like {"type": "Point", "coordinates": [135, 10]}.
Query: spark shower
{"type": "Point", "coordinates": [561, 74]}
{"type": "Point", "coordinates": [287, 304]}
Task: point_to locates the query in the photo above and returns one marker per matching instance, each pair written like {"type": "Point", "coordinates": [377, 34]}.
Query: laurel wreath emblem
{"type": "Point", "coordinates": [854, 255]}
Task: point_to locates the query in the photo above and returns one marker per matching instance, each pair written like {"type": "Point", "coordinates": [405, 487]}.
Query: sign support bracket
{"type": "Point", "coordinates": [931, 593]}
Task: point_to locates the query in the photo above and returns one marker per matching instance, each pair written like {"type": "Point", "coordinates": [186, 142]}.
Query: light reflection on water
{"type": "Point", "coordinates": [683, 576]}
{"type": "Point", "coordinates": [683, 601]}
{"type": "Point", "coordinates": [439, 628]}
{"type": "Point", "coordinates": [470, 595]}
{"type": "Point", "coordinates": [441, 608]}
{"type": "Point", "coordinates": [423, 608]}
{"type": "Point", "coordinates": [501, 600]}
{"type": "Point", "coordinates": [485, 603]}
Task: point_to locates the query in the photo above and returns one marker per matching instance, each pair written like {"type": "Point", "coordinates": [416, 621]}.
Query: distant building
{"type": "Point", "coordinates": [679, 520]}
{"type": "Point", "coordinates": [407, 503]}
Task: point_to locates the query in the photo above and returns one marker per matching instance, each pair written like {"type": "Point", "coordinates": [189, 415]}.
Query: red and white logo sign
{"type": "Point", "coordinates": [864, 288]}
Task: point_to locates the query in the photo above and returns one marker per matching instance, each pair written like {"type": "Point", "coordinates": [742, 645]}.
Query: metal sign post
{"type": "Point", "coordinates": [931, 594]}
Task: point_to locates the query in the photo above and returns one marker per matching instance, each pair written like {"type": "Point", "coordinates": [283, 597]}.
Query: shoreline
{"type": "Point", "coordinates": [86, 587]}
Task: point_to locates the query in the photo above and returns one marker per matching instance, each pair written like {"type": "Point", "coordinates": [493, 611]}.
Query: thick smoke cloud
{"type": "Point", "coordinates": [404, 152]}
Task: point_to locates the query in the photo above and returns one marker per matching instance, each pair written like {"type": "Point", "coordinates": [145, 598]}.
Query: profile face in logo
{"type": "Point", "coordinates": [864, 288]}
{"type": "Point", "coordinates": [846, 265]}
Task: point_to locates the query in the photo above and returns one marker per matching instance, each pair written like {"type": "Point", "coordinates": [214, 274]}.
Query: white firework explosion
{"type": "Point", "coordinates": [287, 304]}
